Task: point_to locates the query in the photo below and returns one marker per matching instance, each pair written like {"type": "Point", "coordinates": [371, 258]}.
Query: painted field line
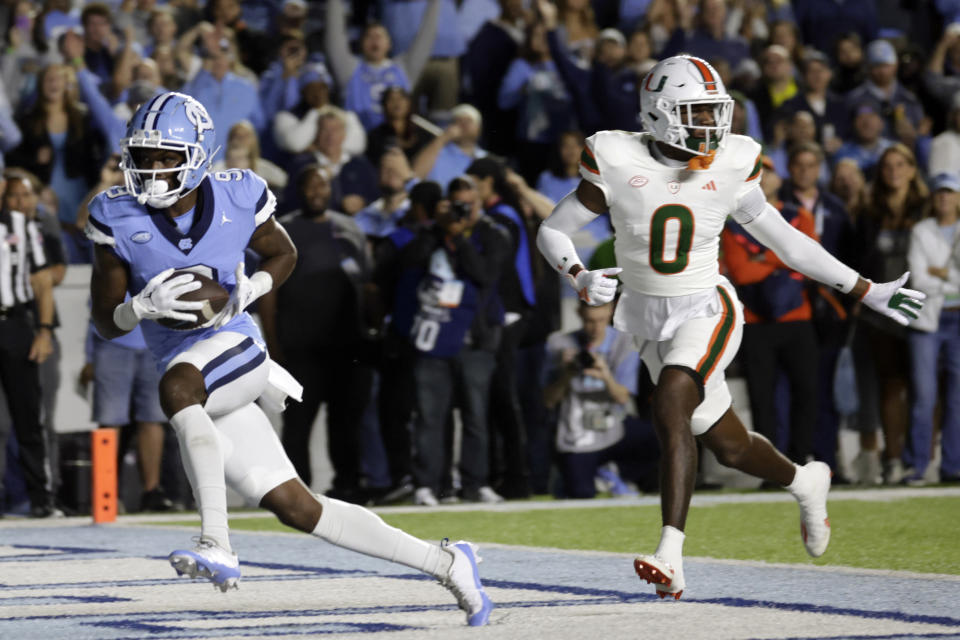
{"type": "Point", "coordinates": [759, 564]}
{"type": "Point", "coordinates": [701, 499]}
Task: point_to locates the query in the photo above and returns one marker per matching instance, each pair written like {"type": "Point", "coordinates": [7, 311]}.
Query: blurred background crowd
{"type": "Point", "coordinates": [415, 145]}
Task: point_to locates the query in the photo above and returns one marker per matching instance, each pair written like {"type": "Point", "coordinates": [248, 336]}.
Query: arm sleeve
{"type": "Point", "coordinates": [553, 237]}
{"type": "Point", "coordinates": [797, 250]}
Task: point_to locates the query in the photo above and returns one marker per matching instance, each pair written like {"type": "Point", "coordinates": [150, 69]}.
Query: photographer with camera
{"type": "Point", "coordinates": [396, 389]}
{"type": "Point", "coordinates": [508, 431]}
{"type": "Point", "coordinates": [592, 374]}
{"type": "Point", "coordinates": [448, 304]}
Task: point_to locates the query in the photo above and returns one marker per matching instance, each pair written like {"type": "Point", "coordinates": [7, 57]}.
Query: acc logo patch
{"type": "Point", "coordinates": [638, 181]}
{"type": "Point", "coordinates": [673, 186]}
{"type": "Point", "coordinates": [142, 237]}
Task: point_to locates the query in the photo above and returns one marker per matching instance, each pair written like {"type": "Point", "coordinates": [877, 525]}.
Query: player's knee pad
{"type": "Point", "coordinates": [254, 460]}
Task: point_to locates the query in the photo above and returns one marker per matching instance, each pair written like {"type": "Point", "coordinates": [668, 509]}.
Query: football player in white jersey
{"type": "Point", "coordinates": [175, 214]}
{"type": "Point", "coordinates": [669, 191]}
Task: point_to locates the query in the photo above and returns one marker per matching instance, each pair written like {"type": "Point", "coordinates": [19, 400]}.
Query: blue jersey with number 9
{"type": "Point", "coordinates": [230, 206]}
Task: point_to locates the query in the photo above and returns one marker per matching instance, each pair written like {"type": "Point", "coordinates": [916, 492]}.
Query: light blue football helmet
{"type": "Point", "coordinates": [173, 121]}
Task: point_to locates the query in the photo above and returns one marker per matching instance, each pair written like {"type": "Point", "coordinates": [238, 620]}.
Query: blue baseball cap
{"type": "Point", "coordinates": [945, 180]}
{"type": "Point", "coordinates": [881, 52]}
{"type": "Point", "coordinates": [315, 72]}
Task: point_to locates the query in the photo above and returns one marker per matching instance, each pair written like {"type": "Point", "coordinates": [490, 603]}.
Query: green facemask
{"type": "Point", "coordinates": [694, 144]}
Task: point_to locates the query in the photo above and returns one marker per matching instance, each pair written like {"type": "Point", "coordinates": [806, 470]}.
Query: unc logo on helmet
{"type": "Point", "coordinates": [671, 95]}
{"type": "Point", "coordinates": [198, 115]}
{"type": "Point", "coordinates": [171, 121]}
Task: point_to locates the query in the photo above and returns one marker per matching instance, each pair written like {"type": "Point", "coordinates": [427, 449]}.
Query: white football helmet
{"type": "Point", "coordinates": [668, 94]}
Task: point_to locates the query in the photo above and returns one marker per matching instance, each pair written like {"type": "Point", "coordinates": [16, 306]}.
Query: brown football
{"type": "Point", "coordinates": [210, 292]}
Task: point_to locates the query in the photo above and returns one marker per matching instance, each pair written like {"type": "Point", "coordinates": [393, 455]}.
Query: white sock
{"type": "Point", "coordinates": [799, 484]}
{"type": "Point", "coordinates": [671, 545]}
{"type": "Point", "coordinates": [203, 463]}
{"type": "Point", "coordinates": [358, 529]}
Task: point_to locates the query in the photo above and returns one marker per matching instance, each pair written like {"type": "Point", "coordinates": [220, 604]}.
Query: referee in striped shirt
{"type": "Point", "coordinates": [26, 340]}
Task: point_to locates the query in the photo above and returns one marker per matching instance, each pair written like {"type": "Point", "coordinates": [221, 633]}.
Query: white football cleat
{"type": "Point", "coordinates": [208, 560]}
{"type": "Point", "coordinates": [463, 581]}
{"type": "Point", "coordinates": [657, 571]}
{"type": "Point", "coordinates": [812, 498]}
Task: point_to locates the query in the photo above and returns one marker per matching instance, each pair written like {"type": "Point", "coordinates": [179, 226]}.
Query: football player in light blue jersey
{"type": "Point", "coordinates": [173, 215]}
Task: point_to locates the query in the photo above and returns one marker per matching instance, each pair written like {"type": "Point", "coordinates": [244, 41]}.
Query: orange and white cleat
{"type": "Point", "coordinates": [657, 571]}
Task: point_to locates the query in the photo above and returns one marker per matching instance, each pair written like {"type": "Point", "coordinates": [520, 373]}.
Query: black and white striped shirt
{"type": "Point", "coordinates": [21, 254]}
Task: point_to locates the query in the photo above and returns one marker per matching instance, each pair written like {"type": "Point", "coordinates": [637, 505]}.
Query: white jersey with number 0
{"type": "Point", "coordinates": [668, 220]}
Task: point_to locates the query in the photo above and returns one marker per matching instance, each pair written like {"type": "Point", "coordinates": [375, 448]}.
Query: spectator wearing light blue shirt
{"type": "Point", "coordinates": [228, 97]}
{"type": "Point", "coordinates": [280, 83]}
{"type": "Point", "coordinates": [534, 87]}
{"type": "Point", "coordinates": [449, 154]}
{"type": "Point", "coordinates": [563, 174]}
{"type": "Point", "coordinates": [473, 14]}
{"type": "Point", "coordinates": [592, 374]}
{"type": "Point", "coordinates": [900, 109]}
{"type": "Point", "coordinates": [868, 143]}
{"type": "Point", "coordinates": [381, 217]}
{"type": "Point", "coordinates": [363, 79]}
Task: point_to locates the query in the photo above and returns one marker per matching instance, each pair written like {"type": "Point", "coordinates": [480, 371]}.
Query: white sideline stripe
{"type": "Point", "coordinates": [699, 500]}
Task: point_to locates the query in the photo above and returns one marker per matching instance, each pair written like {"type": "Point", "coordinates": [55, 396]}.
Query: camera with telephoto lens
{"type": "Point", "coordinates": [460, 210]}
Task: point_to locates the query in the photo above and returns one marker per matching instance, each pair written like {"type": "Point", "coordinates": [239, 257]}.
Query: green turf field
{"type": "Point", "coordinates": [916, 534]}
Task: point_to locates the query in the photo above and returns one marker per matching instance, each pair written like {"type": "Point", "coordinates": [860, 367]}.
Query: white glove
{"type": "Point", "coordinates": [892, 300]}
{"type": "Point", "coordinates": [596, 287]}
{"type": "Point", "coordinates": [246, 291]}
{"type": "Point", "coordinates": [159, 298]}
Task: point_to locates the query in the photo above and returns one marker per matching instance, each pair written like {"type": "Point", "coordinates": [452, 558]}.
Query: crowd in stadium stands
{"type": "Point", "coordinates": [415, 145]}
